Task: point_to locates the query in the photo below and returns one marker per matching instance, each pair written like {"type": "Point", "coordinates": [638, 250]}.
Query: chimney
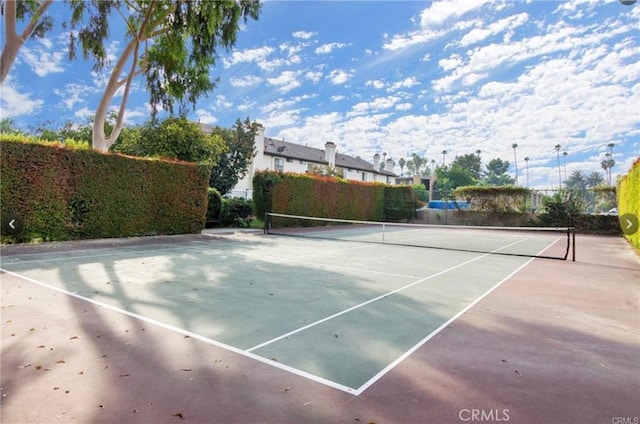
{"type": "Point", "coordinates": [389, 165]}
{"type": "Point", "coordinates": [376, 162]}
{"type": "Point", "coordinates": [330, 153]}
{"type": "Point", "coordinates": [258, 159]}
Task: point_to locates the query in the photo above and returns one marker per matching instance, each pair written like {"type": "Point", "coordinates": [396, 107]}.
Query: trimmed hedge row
{"type": "Point", "coordinates": [63, 194]}
{"type": "Point", "coordinates": [629, 198]}
{"type": "Point", "coordinates": [327, 197]}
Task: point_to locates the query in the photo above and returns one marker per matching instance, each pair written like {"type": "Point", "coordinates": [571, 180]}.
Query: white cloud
{"type": "Point", "coordinates": [377, 84]}
{"type": "Point", "coordinates": [245, 81]}
{"type": "Point", "coordinates": [206, 117]}
{"type": "Point", "coordinates": [84, 114]}
{"type": "Point", "coordinates": [137, 115]}
{"type": "Point", "coordinates": [405, 83]}
{"type": "Point", "coordinates": [313, 76]}
{"type": "Point", "coordinates": [42, 62]}
{"type": "Point", "coordinates": [450, 63]}
{"type": "Point", "coordinates": [15, 103]}
{"type": "Point", "coordinates": [433, 20]}
{"type": "Point", "coordinates": [328, 48]}
{"type": "Point", "coordinates": [285, 82]}
{"type": "Point", "coordinates": [479, 34]}
{"type": "Point", "coordinates": [221, 103]}
{"type": "Point", "coordinates": [304, 34]}
{"type": "Point", "coordinates": [376, 105]}
{"type": "Point", "coordinates": [74, 93]}
{"type": "Point", "coordinates": [257, 55]}
{"type": "Point", "coordinates": [340, 76]}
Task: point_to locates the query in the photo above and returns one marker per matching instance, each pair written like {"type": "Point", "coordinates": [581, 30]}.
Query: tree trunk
{"type": "Point", "coordinates": [13, 42]}
{"type": "Point", "coordinates": [100, 141]}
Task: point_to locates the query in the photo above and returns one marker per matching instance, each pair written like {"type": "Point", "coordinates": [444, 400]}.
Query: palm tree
{"type": "Point", "coordinates": [526, 162]}
{"type": "Point", "coordinates": [402, 163]}
{"type": "Point", "coordinates": [557, 147]}
{"type": "Point", "coordinates": [515, 159]}
{"type": "Point", "coordinates": [577, 181]}
{"type": "Point", "coordinates": [564, 157]}
{"type": "Point", "coordinates": [613, 162]}
{"type": "Point", "coordinates": [607, 164]}
{"type": "Point", "coordinates": [594, 179]}
{"type": "Point", "coordinates": [444, 155]}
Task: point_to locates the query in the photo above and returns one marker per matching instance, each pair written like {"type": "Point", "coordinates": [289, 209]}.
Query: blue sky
{"type": "Point", "coordinates": [399, 77]}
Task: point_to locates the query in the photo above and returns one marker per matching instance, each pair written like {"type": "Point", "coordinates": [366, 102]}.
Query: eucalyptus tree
{"type": "Point", "coordinates": [418, 165]}
{"type": "Point", "coordinates": [172, 44]}
{"type": "Point", "coordinates": [38, 24]}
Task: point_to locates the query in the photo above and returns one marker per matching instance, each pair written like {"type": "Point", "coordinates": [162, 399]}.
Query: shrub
{"type": "Point", "coordinates": [629, 199]}
{"type": "Point", "coordinates": [330, 197]}
{"type": "Point", "coordinates": [236, 212]}
{"type": "Point", "coordinates": [214, 205]}
{"type": "Point", "coordinates": [61, 193]}
{"type": "Point", "coordinates": [399, 204]}
{"type": "Point", "coordinates": [494, 198]}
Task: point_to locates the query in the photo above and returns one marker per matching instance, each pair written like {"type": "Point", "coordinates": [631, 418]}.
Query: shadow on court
{"type": "Point", "coordinates": [558, 342]}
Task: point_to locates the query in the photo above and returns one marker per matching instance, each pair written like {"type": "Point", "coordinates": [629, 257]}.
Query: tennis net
{"type": "Point", "coordinates": [541, 242]}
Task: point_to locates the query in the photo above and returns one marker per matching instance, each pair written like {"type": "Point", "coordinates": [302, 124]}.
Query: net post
{"type": "Point", "coordinates": [573, 244]}
{"type": "Point", "coordinates": [383, 230]}
{"type": "Point", "coordinates": [266, 216]}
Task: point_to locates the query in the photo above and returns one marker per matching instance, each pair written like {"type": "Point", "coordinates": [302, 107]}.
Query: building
{"type": "Point", "coordinates": [280, 155]}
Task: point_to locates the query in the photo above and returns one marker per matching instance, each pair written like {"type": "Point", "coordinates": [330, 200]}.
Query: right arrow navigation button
{"type": "Point", "coordinates": [629, 223]}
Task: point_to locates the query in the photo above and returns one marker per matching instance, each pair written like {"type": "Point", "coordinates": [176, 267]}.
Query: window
{"type": "Point", "coordinates": [289, 160]}
{"type": "Point", "coordinates": [302, 162]}
{"type": "Point", "coordinates": [364, 177]}
{"type": "Point", "coordinates": [278, 164]}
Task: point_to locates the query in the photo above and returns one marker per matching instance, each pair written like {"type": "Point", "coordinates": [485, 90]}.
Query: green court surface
{"type": "Point", "coordinates": [341, 314]}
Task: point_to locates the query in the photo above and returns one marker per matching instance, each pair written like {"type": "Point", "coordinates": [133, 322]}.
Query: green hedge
{"type": "Point", "coordinates": [61, 193]}
{"type": "Point", "coordinates": [629, 199]}
{"type": "Point", "coordinates": [399, 203]}
{"type": "Point", "coordinates": [328, 197]}
{"type": "Point", "coordinates": [214, 205]}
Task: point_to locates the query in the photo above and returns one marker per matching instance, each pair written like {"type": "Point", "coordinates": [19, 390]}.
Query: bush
{"type": "Point", "coordinates": [562, 209]}
{"type": "Point", "coordinates": [565, 209]}
{"type": "Point", "coordinates": [214, 205]}
{"type": "Point", "coordinates": [629, 199]}
{"type": "Point", "coordinates": [60, 193]}
{"type": "Point", "coordinates": [236, 212]}
{"type": "Point", "coordinates": [494, 198]}
{"type": "Point", "coordinates": [263, 184]}
{"type": "Point", "coordinates": [399, 203]}
{"type": "Point", "coordinates": [329, 197]}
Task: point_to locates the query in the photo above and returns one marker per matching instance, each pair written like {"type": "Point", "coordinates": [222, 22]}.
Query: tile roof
{"type": "Point", "coordinates": [285, 149]}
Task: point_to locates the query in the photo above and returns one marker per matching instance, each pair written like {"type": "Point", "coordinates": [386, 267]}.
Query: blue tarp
{"type": "Point", "coordinates": [451, 204]}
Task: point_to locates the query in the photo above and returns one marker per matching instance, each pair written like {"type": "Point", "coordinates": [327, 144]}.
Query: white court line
{"type": "Point", "coordinates": [247, 353]}
{"type": "Point", "coordinates": [405, 355]}
{"type": "Point", "coordinates": [375, 299]}
{"type": "Point", "coordinates": [100, 252]}
{"type": "Point", "coordinates": [179, 330]}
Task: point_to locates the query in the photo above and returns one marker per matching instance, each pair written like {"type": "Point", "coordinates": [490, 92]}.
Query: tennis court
{"type": "Point", "coordinates": [338, 314]}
